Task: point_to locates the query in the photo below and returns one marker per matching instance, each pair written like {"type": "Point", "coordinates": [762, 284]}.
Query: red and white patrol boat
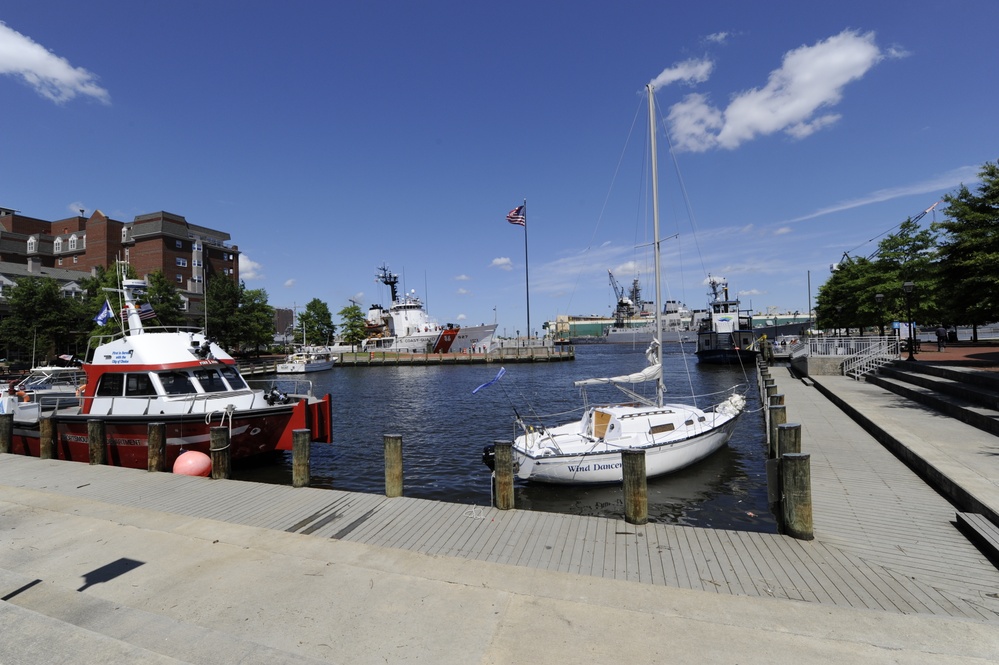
{"type": "Point", "coordinates": [177, 377]}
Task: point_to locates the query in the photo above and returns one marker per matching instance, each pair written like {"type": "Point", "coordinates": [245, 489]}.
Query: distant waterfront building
{"type": "Point", "coordinates": [186, 253]}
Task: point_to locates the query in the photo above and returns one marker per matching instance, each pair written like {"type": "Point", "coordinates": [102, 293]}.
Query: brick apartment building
{"type": "Point", "coordinates": [71, 248]}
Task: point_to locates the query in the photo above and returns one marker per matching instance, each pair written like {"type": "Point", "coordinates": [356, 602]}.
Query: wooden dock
{"type": "Point", "coordinates": [511, 355]}
{"type": "Point", "coordinates": [884, 540]}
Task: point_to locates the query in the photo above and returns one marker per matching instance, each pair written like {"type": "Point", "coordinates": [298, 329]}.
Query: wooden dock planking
{"type": "Point", "coordinates": [883, 539]}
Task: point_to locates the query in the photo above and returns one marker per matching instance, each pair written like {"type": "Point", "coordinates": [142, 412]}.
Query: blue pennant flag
{"type": "Point", "coordinates": [105, 314]}
{"type": "Point", "coordinates": [499, 375]}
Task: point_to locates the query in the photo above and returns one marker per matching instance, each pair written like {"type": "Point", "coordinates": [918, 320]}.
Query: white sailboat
{"type": "Point", "coordinates": [673, 436]}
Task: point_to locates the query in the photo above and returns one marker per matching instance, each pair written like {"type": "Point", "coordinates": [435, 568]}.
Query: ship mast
{"type": "Point", "coordinates": [655, 243]}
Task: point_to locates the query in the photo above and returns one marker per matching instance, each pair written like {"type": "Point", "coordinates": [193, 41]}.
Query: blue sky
{"type": "Point", "coordinates": [329, 138]}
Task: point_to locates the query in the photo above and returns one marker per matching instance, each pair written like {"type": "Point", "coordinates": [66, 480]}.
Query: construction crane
{"type": "Point", "coordinates": [618, 289]}
{"type": "Point", "coordinates": [833, 267]}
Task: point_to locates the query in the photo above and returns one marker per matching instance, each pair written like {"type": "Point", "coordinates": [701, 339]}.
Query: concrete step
{"type": "Point", "coordinates": [984, 418]}
{"type": "Point", "coordinates": [59, 625]}
{"type": "Point", "coordinates": [967, 385]}
{"type": "Point", "coordinates": [31, 638]}
{"type": "Point", "coordinates": [983, 533]}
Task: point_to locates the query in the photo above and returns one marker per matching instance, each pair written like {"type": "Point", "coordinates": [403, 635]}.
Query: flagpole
{"type": "Point", "coordinates": [527, 274]}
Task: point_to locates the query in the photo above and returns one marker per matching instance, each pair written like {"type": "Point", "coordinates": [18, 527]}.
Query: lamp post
{"type": "Point", "coordinates": [879, 298]}
{"type": "Point", "coordinates": [839, 318]}
{"type": "Point", "coordinates": [908, 288]}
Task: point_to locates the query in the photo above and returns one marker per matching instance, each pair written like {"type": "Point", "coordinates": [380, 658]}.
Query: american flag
{"type": "Point", "coordinates": [146, 311]}
{"type": "Point", "coordinates": [517, 216]}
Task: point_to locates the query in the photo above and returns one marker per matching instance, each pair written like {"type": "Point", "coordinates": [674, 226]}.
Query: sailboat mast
{"type": "Point", "coordinates": [655, 241]}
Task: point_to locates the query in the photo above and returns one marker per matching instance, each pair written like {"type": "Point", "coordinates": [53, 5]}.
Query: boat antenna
{"type": "Point", "coordinates": [655, 241]}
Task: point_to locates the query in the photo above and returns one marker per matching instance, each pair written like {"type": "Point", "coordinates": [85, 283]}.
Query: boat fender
{"type": "Point", "coordinates": [193, 463]}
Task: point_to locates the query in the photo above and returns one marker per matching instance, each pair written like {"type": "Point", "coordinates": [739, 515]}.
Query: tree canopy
{"type": "Point", "coordinates": [315, 325]}
{"type": "Point", "coordinates": [951, 265]}
{"type": "Point", "coordinates": [352, 324]}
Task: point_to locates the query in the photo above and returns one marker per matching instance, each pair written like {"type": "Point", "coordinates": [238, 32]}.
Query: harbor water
{"type": "Point", "coordinates": [444, 427]}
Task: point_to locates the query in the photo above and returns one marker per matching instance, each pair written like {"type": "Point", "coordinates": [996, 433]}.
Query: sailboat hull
{"type": "Point", "coordinates": [571, 455]}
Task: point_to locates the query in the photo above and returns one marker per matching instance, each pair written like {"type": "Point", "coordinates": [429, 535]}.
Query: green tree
{"type": "Point", "coordinates": [238, 318]}
{"type": "Point", "coordinates": [255, 320]}
{"type": "Point", "coordinates": [315, 324]}
{"type": "Point", "coordinates": [104, 287]}
{"type": "Point", "coordinates": [969, 252]}
{"type": "Point", "coordinates": [352, 324]}
{"type": "Point", "coordinates": [848, 298]}
{"type": "Point", "coordinates": [42, 323]}
{"type": "Point", "coordinates": [222, 299]}
{"type": "Point", "coordinates": [165, 300]}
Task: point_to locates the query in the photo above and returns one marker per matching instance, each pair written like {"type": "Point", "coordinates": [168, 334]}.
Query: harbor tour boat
{"type": "Point", "coordinates": [673, 436]}
{"type": "Point", "coordinates": [725, 335]}
{"type": "Point", "coordinates": [407, 328]}
{"type": "Point", "coordinates": [180, 378]}
{"type": "Point", "coordinates": [308, 359]}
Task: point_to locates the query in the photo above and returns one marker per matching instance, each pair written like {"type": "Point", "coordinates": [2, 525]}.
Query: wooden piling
{"type": "Point", "coordinates": [301, 453]}
{"type": "Point", "coordinates": [46, 432]}
{"type": "Point", "coordinates": [6, 432]}
{"type": "Point", "coordinates": [778, 416]}
{"type": "Point", "coordinates": [220, 453]}
{"type": "Point", "coordinates": [393, 465]}
{"type": "Point", "coordinates": [97, 439]}
{"type": "Point", "coordinates": [156, 447]}
{"type": "Point", "coordinates": [796, 481]}
{"type": "Point", "coordinates": [503, 474]}
{"type": "Point", "coordinates": [635, 483]}
{"type": "Point", "coordinates": [788, 439]}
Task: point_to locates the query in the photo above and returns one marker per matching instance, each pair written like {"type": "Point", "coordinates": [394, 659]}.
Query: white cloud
{"type": "Point", "coordinates": [249, 269]}
{"type": "Point", "coordinates": [503, 263]}
{"type": "Point", "coordinates": [782, 230]}
{"type": "Point", "coordinates": [809, 79]}
{"type": "Point", "coordinates": [288, 283]}
{"type": "Point", "coordinates": [945, 181]}
{"type": "Point", "coordinates": [718, 37]}
{"type": "Point", "coordinates": [688, 71]}
{"type": "Point", "coordinates": [463, 278]}
{"type": "Point", "coordinates": [463, 292]}
{"type": "Point", "coordinates": [51, 76]}
{"type": "Point", "coordinates": [77, 208]}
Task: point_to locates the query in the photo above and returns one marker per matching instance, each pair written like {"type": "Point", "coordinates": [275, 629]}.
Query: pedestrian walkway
{"type": "Point", "coordinates": [276, 574]}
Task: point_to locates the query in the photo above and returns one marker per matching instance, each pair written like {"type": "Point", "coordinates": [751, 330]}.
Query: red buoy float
{"type": "Point", "coordinates": [193, 463]}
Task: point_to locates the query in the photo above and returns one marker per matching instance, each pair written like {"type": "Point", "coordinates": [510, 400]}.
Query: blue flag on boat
{"type": "Point", "coordinates": [499, 375]}
{"type": "Point", "coordinates": [105, 314]}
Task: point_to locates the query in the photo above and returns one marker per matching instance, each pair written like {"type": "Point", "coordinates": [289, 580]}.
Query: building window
{"type": "Point", "coordinates": [76, 259]}
{"type": "Point", "coordinates": [72, 243]}
{"type": "Point", "coordinates": [124, 234]}
{"type": "Point", "coordinates": [181, 263]}
{"type": "Point", "coordinates": [60, 260]}
{"type": "Point", "coordinates": [32, 244]}
{"type": "Point", "coordinates": [57, 245]}
{"type": "Point", "coordinates": [180, 278]}
{"type": "Point", "coordinates": [180, 244]}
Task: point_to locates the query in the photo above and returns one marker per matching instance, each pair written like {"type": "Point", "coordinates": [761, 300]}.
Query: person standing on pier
{"type": "Point", "coordinates": [941, 338]}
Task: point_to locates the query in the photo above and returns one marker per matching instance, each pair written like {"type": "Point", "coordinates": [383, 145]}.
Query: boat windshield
{"type": "Point", "coordinates": [210, 380]}
{"type": "Point", "coordinates": [176, 383]}
{"type": "Point", "coordinates": [234, 378]}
